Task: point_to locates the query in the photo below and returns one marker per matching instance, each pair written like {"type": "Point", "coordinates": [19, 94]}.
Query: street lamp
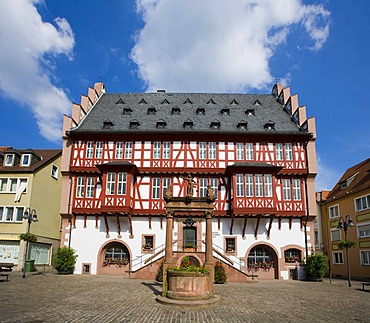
{"type": "Point", "coordinates": [344, 223]}
{"type": "Point", "coordinates": [31, 216]}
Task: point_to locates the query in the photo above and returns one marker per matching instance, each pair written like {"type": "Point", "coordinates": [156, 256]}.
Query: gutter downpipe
{"type": "Point", "coordinates": [306, 189]}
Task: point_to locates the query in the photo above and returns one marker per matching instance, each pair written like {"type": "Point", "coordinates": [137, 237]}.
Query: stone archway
{"type": "Point", "coordinates": [259, 257]}
{"type": "Point", "coordinates": [114, 259]}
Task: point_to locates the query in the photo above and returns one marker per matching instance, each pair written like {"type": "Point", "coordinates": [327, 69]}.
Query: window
{"type": "Point", "coordinates": [292, 255]}
{"type": "Point", "coordinates": [230, 244]}
{"type": "Point", "coordinates": [362, 203]}
{"type": "Point", "coordinates": [203, 187]}
{"type": "Point", "coordinates": [148, 243]}
{"type": "Point", "coordinates": [250, 153]}
{"type": "Point", "coordinates": [116, 251]}
{"type": "Point", "coordinates": [2, 218]}
{"type": "Point", "coordinates": [89, 149]}
{"type": "Point", "coordinates": [3, 184]}
{"type": "Point", "coordinates": [156, 188]}
{"type": "Point", "coordinates": [90, 187]}
{"type": "Point", "coordinates": [9, 214]}
{"type": "Point", "coordinates": [86, 268]}
{"type": "Point", "coordinates": [54, 171]}
{"type": "Point", "coordinates": [156, 150]}
{"type": "Point", "coordinates": [119, 150]}
{"type": "Point", "coordinates": [364, 230]}
{"type": "Point", "coordinates": [80, 186]}
{"type": "Point", "coordinates": [99, 150]}
{"type": "Point", "coordinates": [335, 235]}
{"type": "Point", "coordinates": [212, 150]}
{"type": "Point", "coordinates": [268, 185]}
{"type": "Point", "coordinates": [128, 150]}
{"type": "Point", "coordinates": [121, 183]}
{"type": "Point", "coordinates": [166, 150]}
{"type": "Point", "coordinates": [365, 257]}
{"type": "Point", "coordinates": [286, 189]}
{"type": "Point", "coordinates": [259, 185]}
{"type": "Point", "coordinates": [19, 214]}
{"type": "Point", "coordinates": [239, 185]}
{"type": "Point", "coordinates": [297, 189]}
{"type": "Point", "coordinates": [9, 159]}
{"type": "Point", "coordinates": [279, 152]}
{"type": "Point", "coordinates": [258, 255]}
{"type": "Point", "coordinates": [26, 160]}
{"type": "Point", "coordinates": [202, 150]}
{"type": "Point", "coordinates": [111, 179]}
{"type": "Point", "coordinates": [239, 151]}
{"type": "Point", "coordinates": [288, 152]}
{"type": "Point", "coordinates": [334, 211]}
{"type": "Point", "coordinates": [40, 252]}
{"type": "Point", "coordinates": [13, 185]}
{"type": "Point", "coordinates": [214, 186]}
{"type": "Point", "coordinates": [249, 185]}
{"type": "Point", "coordinates": [166, 183]}
{"type": "Point", "coordinates": [337, 258]}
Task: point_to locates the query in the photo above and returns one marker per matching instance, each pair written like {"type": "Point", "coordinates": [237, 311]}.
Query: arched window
{"type": "Point", "coordinates": [116, 251]}
{"type": "Point", "coordinates": [292, 255]}
{"type": "Point", "coordinates": [258, 255]}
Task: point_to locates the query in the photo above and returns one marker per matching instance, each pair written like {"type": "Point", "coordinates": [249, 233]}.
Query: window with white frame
{"type": "Point", "coordinates": [214, 186]}
{"type": "Point", "coordinates": [80, 186]}
{"type": "Point", "coordinates": [286, 189]}
{"type": "Point", "coordinates": [99, 149]}
{"type": "Point", "coordinates": [365, 257]}
{"type": "Point", "coordinates": [119, 150]}
{"type": "Point", "coordinates": [11, 214]}
{"type": "Point", "coordinates": [202, 150]}
{"type": "Point", "coordinates": [279, 152]}
{"type": "Point", "coordinates": [2, 214]}
{"type": "Point", "coordinates": [334, 211]}
{"type": "Point", "coordinates": [249, 151]}
{"type": "Point", "coordinates": [288, 152]}
{"type": "Point", "coordinates": [89, 149]}
{"type": "Point", "coordinates": [156, 150]}
{"type": "Point", "coordinates": [212, 150]}
{"type": "Point", "coordinates": [297, 195]}
{"type": "Point", "coordinates": [259, 185]}
{"type": "Point", "coordinates": [90, 181]}
{"type": "Point", "coordinates": [13, 182]}
{"type": "Point", "coordinates": [121, 183]}
{"type": "Point", "coordinates": [3, 184]}
{"type": "Point", "coordinates": [203, 182]}
{"type": "Point", "coordinates": [239, 185]}
{"type": "Point", "coordinates": [363, 230]}
{"type": "Point", "coordinates": [156, 187]}
{"type": "Point", "coordinates": [337, 258]}
{"type": "Point", "coordinates": [19, 211]}
{"type": "Point", "coordinates": [166, 150]}
{"type": "Point", "coordinates": [335, 235]}
{"type": "Point", "coordinates": [54, 171]}
{"type": "Point", "coordinates": [249, 185]}
{"type": "Point", "coordinates": [362, 203]}
{"type": "Point", "coordinates": [128, 150]}
{"type": "Point", "coordinates": [268, 185]}
{"type": "Point", "coordinates": [9, 160]}
{"type": "Point", "coordinates": [166, 182]}
{"type": "Point", "coordinates": [26, 160]}
{"type": "Point", "coordinates": [111, 180]}
{"type": "Point", "coordinates": [239, 151]}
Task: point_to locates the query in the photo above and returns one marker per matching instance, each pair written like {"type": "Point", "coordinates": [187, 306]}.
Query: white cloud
{"type": "Point", "coordinates": [26, 62]}
{"type": "Point", "coordinates": [218, 46]}
{"type": "Point", "coordinates": [326, 177]}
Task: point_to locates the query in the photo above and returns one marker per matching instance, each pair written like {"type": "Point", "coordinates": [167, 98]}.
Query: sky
{"type": "Point", "coordinates": [52, 50]}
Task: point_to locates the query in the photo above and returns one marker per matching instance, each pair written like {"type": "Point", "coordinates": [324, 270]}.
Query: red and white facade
{"type": "Point", "coordinates": [115, 181]}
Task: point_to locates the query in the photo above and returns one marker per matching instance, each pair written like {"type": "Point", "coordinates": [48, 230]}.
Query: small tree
{"type": "Point", "coordinates": [220, 274]}
{"type": "Point", "coordinates": [65, 260]}
{"type": "Point", "coordinates": [316, 266]}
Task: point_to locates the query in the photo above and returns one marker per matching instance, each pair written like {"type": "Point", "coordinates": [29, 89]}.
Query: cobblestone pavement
{"type": "Point", "coordinates": [85, 298]}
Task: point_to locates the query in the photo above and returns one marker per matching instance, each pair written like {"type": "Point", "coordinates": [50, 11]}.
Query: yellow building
{"type": "Point", "coordinates": [29, 180]}
{"type": "Point", "coordinates": [346, 216]}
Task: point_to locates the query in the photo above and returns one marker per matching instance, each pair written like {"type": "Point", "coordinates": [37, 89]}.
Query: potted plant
{"type": "Point", "coordinates": [28, 237]}
{"type": "Point", "coordinates": [220, 274]}
{"type": "Point", "coordinates": [346, 244]}
{"type": "Point", "coordinates": [316, 267]}
{"type": "Point", "coordinates": [65, 260]}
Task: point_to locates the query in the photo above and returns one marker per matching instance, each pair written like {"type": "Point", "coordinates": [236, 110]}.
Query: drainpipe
{"type": "Point", "coordinates": [69, 211]}
{"type": "Point", "coordinates": [306, 189]}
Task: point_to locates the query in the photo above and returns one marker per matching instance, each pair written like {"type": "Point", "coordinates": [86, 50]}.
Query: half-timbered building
{"type": "Point", "coordinates": [123, 153]}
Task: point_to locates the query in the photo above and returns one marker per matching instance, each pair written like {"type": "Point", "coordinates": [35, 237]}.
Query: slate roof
{"type": "Point", "coordinates": [150, 110]}
{"type": "Point", "coordinates": [355, 179]}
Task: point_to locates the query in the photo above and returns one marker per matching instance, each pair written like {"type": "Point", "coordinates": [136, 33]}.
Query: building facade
{"type": "Point", "coordinates": [29, 179]}
{"type": "Point", "coordinates": [349, 202]}
{"type": "Point", "coordinates": [123, 153]}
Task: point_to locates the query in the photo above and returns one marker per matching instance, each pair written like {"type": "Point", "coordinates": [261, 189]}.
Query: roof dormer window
{"type": "Point", "coordinates": [269, 125]}
{"type": "Point", "coordinates": [257, 102]}
{"type": "Point", "coordinates": [152, 110]}
{"type": "Point", "coordinates": [161, 124]}
{"type": "Point", "coordinates": [242, 125]}
{"type": "Point", "coordinates": [215, 125]}
{"type": "Point", "coordinates": [234, 102]}
{"type": "Point", "coordinates": [250, 112]}
{"type": "Point", "coordinates": [176, 110]}
{"type": "Point", "coordinates": [108, 125]}
{"type": "Point", "coordinates": [225, 111]}
{"type": "Point", "coordinates": [142, 101]}
{"type": "Point", "coordinates": [201, 111]}
{"type": "Point", "coordinates": [120, 101]}
{"type": "Point", "coordinates": [188, 124]}
{"type": "Point", "coordinates": [188, 101]}
{"type": "Point", "coordinates": [9, 160]}
{"type": "Point", "coordinates": [127, 111]}
{"type": "Point", "coordinates": [26, 160]}
{"type": "Point", "coordinates": [134, 124]}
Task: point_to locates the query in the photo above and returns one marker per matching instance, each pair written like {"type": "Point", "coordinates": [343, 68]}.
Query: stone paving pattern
{"type": "Point", "coordinates": [90, 298]}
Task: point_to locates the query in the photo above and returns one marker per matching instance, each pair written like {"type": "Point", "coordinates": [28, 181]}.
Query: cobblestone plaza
{"type": "Point", "coordinates": [86, 298]}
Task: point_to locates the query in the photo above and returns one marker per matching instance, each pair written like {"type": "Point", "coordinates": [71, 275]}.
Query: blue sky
{"type": "Point", "coordinates": [52, 50]}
